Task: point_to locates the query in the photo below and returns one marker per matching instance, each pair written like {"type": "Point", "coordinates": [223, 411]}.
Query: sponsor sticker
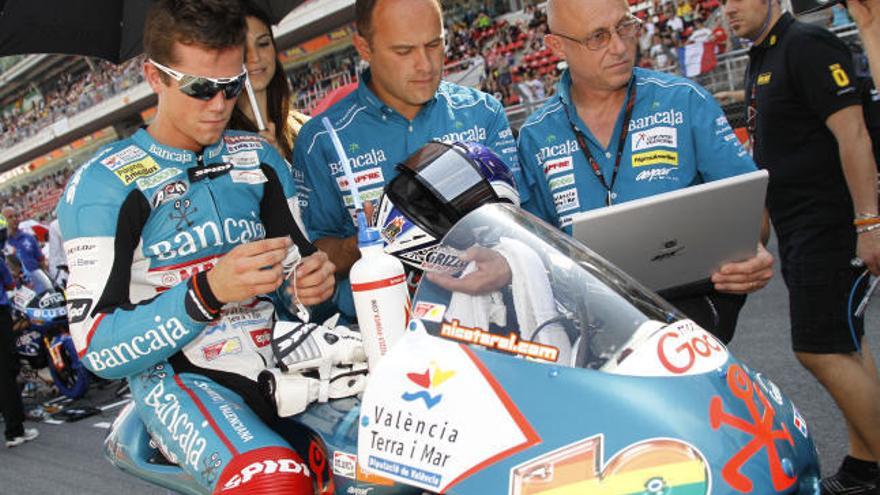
{"type": "Point", "coordinates": [155, 180]}
{"type": "Point", "coordinates": [167, 333]}
{"type": "Point", "coordinates": [566, 200]}
{"type": "Point", "coordinates": [429, 312]}
{"type": "Point", "coordinates": [679, 349]}
{"type": "Point", "coordinates": [234, 144]}
{"type": "Point", "coordinates": [23, 297]}
{"type": "Point", "coordinates": [261, 337]}
{"type": "Point", "coordinates": [123, 157]}
{"type": "Point", "coordinates": [222, 348]}
{"type": "Point", "coordinates": [169, 192]}
{"type": "Point", "coordinates": [656, 157]}
{"type": "Point", "coordinates": [368, 195]}
{"type": "Point", "coordinates": [171, 154]}
{"type": "Point", "coordinates": [839, 74]}
{"type": "Point", "coordinates": [653, 174]}
{"type": "Point", "coordinates": [565, 220]}
{"type": "Point", "coordinates": [252, 176]}
{"type": "Point", "coordinates": [560, 182]}
{"type": "Point", "coordinates": [559, 165]}
{"type": "Point", "coordinates": [78, 309]}
{"type": "Point", "coordinates": [133, 171]}
{"type": "Point", "coordinates": [245, 159]}
{"type": "Point", "coordinates": [345, 464]}
{"type": "Point", "coordinates": [368, 177]}
{"type": "Point", "coordinates": [654, 137]}
{"type": "Point", "coordinates": [429, 424]}
{"type": "Point", "coordinates": [652, 466]}
{"type": "Point", "coordinates": [764, 78]}
{"type": "Point", "coordinates": [208, 171]}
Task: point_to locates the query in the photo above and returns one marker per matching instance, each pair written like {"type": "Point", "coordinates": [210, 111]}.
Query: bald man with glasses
{"type": "Point", "coordinates": [614, 132]}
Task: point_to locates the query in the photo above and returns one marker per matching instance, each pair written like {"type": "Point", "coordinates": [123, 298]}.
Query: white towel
{"type": "Point", "coordinates": [533, 300]}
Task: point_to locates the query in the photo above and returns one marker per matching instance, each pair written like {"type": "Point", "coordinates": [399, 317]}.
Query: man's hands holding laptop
{"type": "Point", "coordinates": [747, 276]}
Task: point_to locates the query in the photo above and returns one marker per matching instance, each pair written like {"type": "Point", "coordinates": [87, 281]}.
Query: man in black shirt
{"type": "Point", "coordinates": [807, 129]}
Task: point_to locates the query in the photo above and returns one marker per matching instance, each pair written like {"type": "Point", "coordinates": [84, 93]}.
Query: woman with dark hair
{"type": "Point", "coordinates": [271, 88]}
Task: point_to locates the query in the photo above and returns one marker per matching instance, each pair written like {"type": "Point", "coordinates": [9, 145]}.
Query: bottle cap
{"type": "Point", "coordinates": [367, 236]}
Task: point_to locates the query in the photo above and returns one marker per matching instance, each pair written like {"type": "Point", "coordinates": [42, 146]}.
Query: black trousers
{"type": "Point", "coordinates": [10, 396]}
{"type": "Point", "coordinates": [715, 312]}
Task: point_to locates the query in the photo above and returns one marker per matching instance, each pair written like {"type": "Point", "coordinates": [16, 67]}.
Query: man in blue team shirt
{"type": "Point", "coordinates": [27, 248]}
{"type": "Point", "coordinates": [614, 133]}
{"type": "Point", "coordinates": [400, 105]}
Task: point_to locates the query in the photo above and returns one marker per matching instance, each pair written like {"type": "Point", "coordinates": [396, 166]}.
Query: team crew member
{"type": "Point", "coordinates": [808, 131]}
{"type": "Point", "coordinates": [400, 105]}
{"type": "Point", "coordinates": [613, 133]}
{"type": "Point", "coordinates": [174, 237]}
{"type": "Point", "coordinates": [28, 251]}
{"type": "Point", "coordinates": [10, 396]}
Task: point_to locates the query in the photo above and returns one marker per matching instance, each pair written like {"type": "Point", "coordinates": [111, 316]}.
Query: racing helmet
{"type": "Point", "coordinates": [435, 187]}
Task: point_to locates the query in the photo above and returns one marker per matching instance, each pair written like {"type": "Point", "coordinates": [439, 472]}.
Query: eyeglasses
{"type": "Point", "coordinates": [205, 88]}
{"type": "Point", "coordinates": [627, 29]}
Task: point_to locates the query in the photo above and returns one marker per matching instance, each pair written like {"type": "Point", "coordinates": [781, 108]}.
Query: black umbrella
{"type": "Point", "coordinates": [108, 29]}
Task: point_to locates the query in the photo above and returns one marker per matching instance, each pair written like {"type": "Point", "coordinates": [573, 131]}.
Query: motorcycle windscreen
{"type": "Point", "coordinates": [527, 290]}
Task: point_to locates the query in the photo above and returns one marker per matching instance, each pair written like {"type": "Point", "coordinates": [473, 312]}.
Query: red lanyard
{"type": "Point", "coordinates": [624, 131]}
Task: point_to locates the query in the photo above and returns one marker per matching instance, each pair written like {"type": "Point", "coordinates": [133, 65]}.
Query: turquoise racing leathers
{"type": "Point", "coordinates": [376, 138]}
{"type": "Point", "coordinates": [143, 223]}
{"type": "Point", "coordinates": [677, 137]}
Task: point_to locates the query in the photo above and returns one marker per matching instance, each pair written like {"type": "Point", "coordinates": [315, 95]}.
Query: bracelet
{"type": "Point", "coordinates": [863, 215]}
{"type": "Point", "coordinates": [863, 230]}
{"type": "Point", "coordinates": [866, 221]}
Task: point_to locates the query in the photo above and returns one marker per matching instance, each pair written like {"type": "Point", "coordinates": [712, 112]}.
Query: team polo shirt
{"type": "Point", "coordinates": [376, 138]}
{"type": "Point", "coordinates": [677, 137]}
{"type": "Point", "coordinates": [27, 249]}
{"type": "Point", "coordinates": [798, 77]}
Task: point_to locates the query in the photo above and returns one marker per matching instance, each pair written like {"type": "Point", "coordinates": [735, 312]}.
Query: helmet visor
{"type": "Point", "coordinates": [437, 186]}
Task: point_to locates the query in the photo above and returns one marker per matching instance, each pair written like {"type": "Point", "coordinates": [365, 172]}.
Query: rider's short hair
{"type": "Point", "coordinates": [212, 24]}
{"type": "Point", "coordinates": [363, 15]}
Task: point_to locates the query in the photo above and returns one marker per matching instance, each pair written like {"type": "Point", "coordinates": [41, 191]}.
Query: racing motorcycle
{"type": "Point", "coordinates": [571, 378]}
{"type": "Point", "coordinates": [43, 341]}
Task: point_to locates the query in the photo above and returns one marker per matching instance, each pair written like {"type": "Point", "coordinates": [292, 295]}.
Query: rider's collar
{"type": "Point", "coordinates": [153, 147]}
{"type": "Point", "coordinates": [777, 31]}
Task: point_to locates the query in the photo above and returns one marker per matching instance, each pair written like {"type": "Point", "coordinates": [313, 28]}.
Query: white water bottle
{"type": "Point", "coordinates": [381, 297]}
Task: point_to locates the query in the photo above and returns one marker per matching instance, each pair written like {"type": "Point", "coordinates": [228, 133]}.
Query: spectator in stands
{"type": "Point", "coordinates": [483, 21]}
{"type": "Point", "coordinates": [10, 397]}
{"type": "Point", "coordinates": [661, 57]}
{"type": "Point", "coordinates": [66, 96]}
{"type": "Point", "coordinates": [599, 100]}
{"type": "Point", "coordinates": [721, 39]}
{"type": "Point", "coordinates": [27, 250]}
{"type": "Point", "coordinates": [676, 24]}
{"type": "Point", "coordinates": [685, 11]}
{"type": "Point", "coordinates": [700, 34]}
{"type": "Point", "coordinates": [400, 104]}
{"type": "Point", "coordinates": [271, 89]}
{"type": "Point", "coordinates": [808, 131]}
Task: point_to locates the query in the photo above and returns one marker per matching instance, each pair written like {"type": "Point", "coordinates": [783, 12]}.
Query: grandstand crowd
{"type": "Point", "coordinates": [518, 69]}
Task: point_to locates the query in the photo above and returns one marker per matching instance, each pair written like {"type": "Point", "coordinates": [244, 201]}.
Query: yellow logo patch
{"type": "Point", "coordinates": [654, 158]}
{"type": "Point", "coordinates": [839, 75]}
{"type": "Point", "coordinates": [764, 78]}
{"type": "Point", "coordinates": [136, 170]}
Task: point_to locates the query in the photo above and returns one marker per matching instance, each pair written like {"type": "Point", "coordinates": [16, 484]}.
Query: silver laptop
{"type": "Point", "coordinates": [679, 238]}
